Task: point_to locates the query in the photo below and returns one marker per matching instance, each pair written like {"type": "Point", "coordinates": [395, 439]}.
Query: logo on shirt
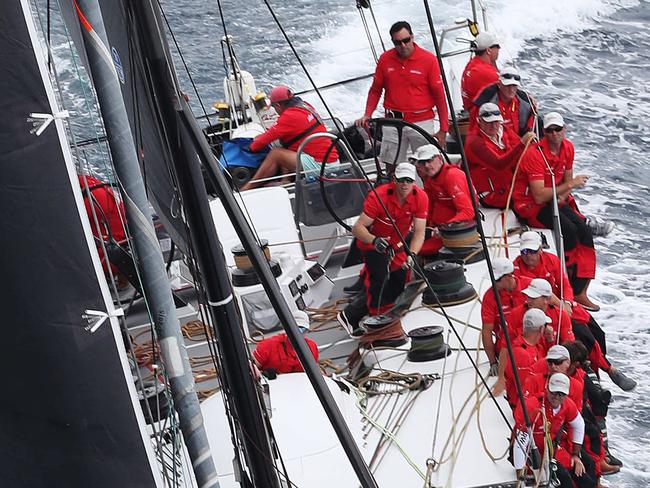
{"type": "Point", "coordinates": [414, 71]}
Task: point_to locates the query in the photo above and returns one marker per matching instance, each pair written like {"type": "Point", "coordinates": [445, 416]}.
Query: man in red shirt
{"type": "Point", "coordinates": [386, 262]}
{"type": "Point", "coordinates": [101, 203]}
{"type": "Point", "coordinates": [297, 120]}
{"type": "Point", "coordinates": [548, 414]}
{"type": "Point", "coordinates": [516, 106]}
{"type": "Point", "coordinates": [536, 263]}
{"type": "Point", "coordinates": [409, 77]}
{"type": "Point", "coordinates": [276, 354]}
{"type": "Point", "coordinates": [446, 187]}
{"type": "Point", "coordinates": [533, 196]}
{"type": "Point", "coordinates": [481, 70]}
{"type": "Point", "coordinates": [526, 350]}
{"type": "Point", "coordinates": [492, 153]}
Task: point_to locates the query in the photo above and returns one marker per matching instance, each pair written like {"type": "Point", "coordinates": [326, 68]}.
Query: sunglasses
{"type": "Point", "coordinates": [553, 129]}
{"type": "Point", "coordinates": [526, 252]}
{"type": "Point", "coordinates": [555, 362]}
{"type": "Point", "coordinates": [557, 394]}
{"type": "Point", "coordinates": [404, 180]}
{"type": "Point", "coordinates": [491, 114]}
{"type": "Point", "coordinates": [508, 76]}
{"type": "Point", "coordinates": [404, 41]}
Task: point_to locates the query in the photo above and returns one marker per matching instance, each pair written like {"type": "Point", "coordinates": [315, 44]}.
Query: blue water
{"type": "Point", "coordinates": [589, 59]}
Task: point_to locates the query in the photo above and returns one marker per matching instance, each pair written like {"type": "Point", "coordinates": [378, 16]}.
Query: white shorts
{"type": "Point", "coordinates": [411, 140]}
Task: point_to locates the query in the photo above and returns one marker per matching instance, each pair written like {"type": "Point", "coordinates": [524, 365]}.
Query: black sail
{"type": "Point", "coordinates": [151, 146]}
{"type": "Point", "coordinates": [67, 416]}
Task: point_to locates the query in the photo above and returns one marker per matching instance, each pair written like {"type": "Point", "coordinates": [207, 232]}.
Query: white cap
{"type": "Point", "coordinates": [534, 318]}
{"type": "Point", "coordinates": [426, 152]}
{"type": "Point", "coordinates": [502, 267]}
{"type": "Point", "coordinates": [510, 76]}
{"type": "Point", "coordinates": [539, 287]}
{"type": "Point", "coordinates": [530, 240]}
{"type": "Point", "coordinates": [490, 112]}
{"type": "Point", "coordinates": [557, 352]}
{"type": "Point", "coordinates": [302, 320]}
{"type": "Point", "coordinates": [559, 383]}
{"type": "Point", "coordinates": [405, 170]}
{"type": "Point", "coordinates": [485, 40]}
{"type": "Point", "coordinates": [553, 118]}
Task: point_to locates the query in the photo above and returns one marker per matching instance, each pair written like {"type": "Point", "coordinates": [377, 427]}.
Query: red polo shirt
{"type": "Point", "coordinates": [414, 207]}
{"type": "Point", "coordinates": [477, 75]}
{"type": "Point", "coordinates": [532, 168]}
{"type": "Point", "coordinates": [509, 301]}
{"type": "Point", "coordinates": [412, 86]}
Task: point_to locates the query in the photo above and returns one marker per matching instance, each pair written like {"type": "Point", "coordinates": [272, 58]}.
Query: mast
{"type": "Point", "coordinates": [148, 254]}
{"type": "Point", "coordinates": [180, 124]}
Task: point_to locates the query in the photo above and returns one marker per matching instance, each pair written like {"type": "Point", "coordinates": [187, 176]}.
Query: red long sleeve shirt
{"type": "Point", "coordinates": [412, 86]}
{"type": "Point", "coordinates": [491, 167]}
{"type": "Point", "coordinates": [449, 199]}
{"type": "Point", "coordinates": [290, 123]}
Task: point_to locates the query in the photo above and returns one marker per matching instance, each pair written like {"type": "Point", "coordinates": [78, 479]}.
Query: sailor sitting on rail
{"type": "Point", "coordinates": [548, 413]}
{"type": "Point", "coordinates": [297, 119]}
{"type": "Point", "coordinates": [516, 106]}
{"type": "Point", "coordinates": [446, 187]}
{"type": "Point", "coordinates": [534, 262]}
{"type": "Point", "coordinates": [481, 71]}
{"type": "Point", "coordinates": [532, 202]}
{"type": "Point", "coordinates": [492, 153]}
{"type": "Point", "coordinates": [276, 355]}
{"type": "Point", "coordinates": [527, 348]}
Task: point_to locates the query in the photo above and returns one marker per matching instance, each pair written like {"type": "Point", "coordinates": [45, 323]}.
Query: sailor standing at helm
{"type": "Point", "coordinates": [386, 262]}
{"type": "Point", "coordinates": [297, 119]}
{"type": "Point", "coordinates": [409, 77]}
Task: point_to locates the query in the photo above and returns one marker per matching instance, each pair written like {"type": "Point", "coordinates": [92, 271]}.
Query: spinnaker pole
{"type": "Point", "coordinates": [148, 254]}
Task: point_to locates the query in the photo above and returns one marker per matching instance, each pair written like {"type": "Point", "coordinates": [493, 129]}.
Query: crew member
{"type": "Point", "coordinates": [548, 413]}
{"type": "Point", "coordinates": [446, 187]}
{"type": "Point", "coordinates": [277, 355]}
{"type": "Point", "coordinates": [409, 77]}
{"type": "Point", "coordinates": [509, 288]}
{"type": "Point", "coordinates": [516, 106]}
{"type": "Point", "coordinates": [101, 203]}
{"type": "Point", "coordinates": [481, 70]}
{"type": "Point", "coordinates": [297, 120]}
{"type": "Point", "coordinates": [386, 262]}
{"type": "Point", "coordinates": [533, 195]}
{"type": "Point", "coordinates": [534, 262]}
{"type": "Point", "coordinates": [492, 154]}
{"type": "Point", "coordinates": [526, 349]}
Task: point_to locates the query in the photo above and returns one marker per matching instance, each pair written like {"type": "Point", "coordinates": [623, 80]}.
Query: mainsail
{"type": "Point", "coordinates": [68, 412]}
{"type": "Point", "coordinates": [151, 146]}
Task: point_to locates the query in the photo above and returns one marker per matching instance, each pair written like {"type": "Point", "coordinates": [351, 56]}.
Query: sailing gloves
{"type": "Point", "coordinates": [381, 245]}
{"type": "Point", "coordinates": [494, 369]}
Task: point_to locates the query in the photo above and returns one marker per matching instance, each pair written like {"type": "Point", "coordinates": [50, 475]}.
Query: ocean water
{"type": "Point", "coordinates": [588, 59]}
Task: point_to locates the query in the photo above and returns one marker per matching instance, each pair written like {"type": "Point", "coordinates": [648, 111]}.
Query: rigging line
{"type": "Point", "coordinates": [436, 423]}
{"type": "Point", "coordinates": [372, 13]}
{"type": "Point", "coordinates": [364, 22]}
{"type": "Point", "coordinates": [225, 33]}
{"type": "Point", "coordinates": [180, 54]}
{"type": "Point", "coordinates": [479, 224]}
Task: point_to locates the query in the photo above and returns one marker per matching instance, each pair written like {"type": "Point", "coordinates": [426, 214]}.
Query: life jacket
{"type": "Point", "coordinates": [298, 103]}
{"type": "Point", "coordinates": [525, 111]}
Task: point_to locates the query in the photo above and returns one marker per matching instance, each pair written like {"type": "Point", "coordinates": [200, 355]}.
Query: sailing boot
{"type": "Point", "coordinates": [599, 227]}
{"type": "Point", "coordinates": [609, 457]}
{"type": "Point", "coordinates": [622, 381]}
{"type": "Point", "coordinates": [585, 301]}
